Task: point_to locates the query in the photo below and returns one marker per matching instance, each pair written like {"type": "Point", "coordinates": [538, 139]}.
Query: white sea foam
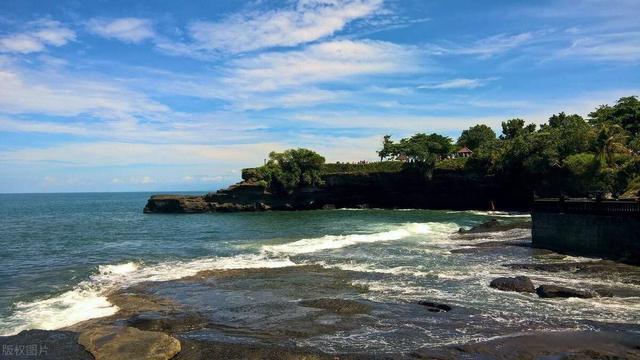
{"type": "Point", "coordinates": [329, 242]}
{"type": "Point", "coordinates": [499, 214]}
{"type": "Point", "coordinates": [372, 268]}
{"type": "Point", "coordinates": [88, 299]}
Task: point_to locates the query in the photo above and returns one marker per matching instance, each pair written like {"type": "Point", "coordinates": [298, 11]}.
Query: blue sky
{"type": "Point", "coordinates": [165, 95]}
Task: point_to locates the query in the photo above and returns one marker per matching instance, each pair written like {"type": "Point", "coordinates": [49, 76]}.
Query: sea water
{"type": "Point", "coordinates": [62, 253]}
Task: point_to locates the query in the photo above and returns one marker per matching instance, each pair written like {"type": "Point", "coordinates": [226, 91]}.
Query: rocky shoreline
{"type": "Point", "coordinates": [249, 314]}
{"type": "Point", "coordinates": [445, 190]}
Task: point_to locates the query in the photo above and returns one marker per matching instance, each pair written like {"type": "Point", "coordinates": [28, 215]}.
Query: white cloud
{"type": "Point", "coordinates": [124, 154]}
{"type": "Point", "coordinates": [37, 37]}
{"type": "Point", "coordinates": [460, 83]}
{"type": "Point", "coordinates": [624, 47]}
{"type": "Point", "coordinates": [323, 62]}
{"type": "Point", "coordinates": [307, 21]}
{"type": "Point", "coordinates": [129, 29]}
{"type": "Point", "coordinates": [57, 94]}
{"type": "Point", "coordinates": [490, 46]}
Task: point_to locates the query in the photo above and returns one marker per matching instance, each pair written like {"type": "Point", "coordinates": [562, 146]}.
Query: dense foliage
{"type": "Point", "coordinates": [288, 170]}
{"type": "Point", "coordinates": [567, 155]}
{"type": "Point", "coordinates": [476, 136]}
{"type": "Point", "coordinates": [361, 168]}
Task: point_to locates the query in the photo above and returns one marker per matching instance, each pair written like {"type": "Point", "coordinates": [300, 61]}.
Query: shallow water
{"type": "Point", "coordinates": [64, 252]}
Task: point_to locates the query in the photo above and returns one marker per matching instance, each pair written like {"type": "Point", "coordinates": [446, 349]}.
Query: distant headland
{"type": "Point", "coordinates": [567, 156]}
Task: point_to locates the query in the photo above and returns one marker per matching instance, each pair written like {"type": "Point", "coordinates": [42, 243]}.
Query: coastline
{"type": "Point", "coordinates": [167, 307]}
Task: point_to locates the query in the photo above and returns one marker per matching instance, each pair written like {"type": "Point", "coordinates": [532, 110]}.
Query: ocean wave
{"type": "Point", "coordinates": [330, 242]}
{"type": "Point", "coordinates": [88, 299]}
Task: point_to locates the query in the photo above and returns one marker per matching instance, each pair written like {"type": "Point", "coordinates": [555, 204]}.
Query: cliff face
{"type": "Point", "coordinates": [445, 190]}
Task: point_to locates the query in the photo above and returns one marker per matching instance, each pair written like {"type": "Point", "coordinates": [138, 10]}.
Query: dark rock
{"type": "Point", "coordinates": [554, 291]}
{"type": "Point", "coordinates": [200, 350]}
{"type": "Point", "coordinates": [494, 225]}
{"type": "Point", "coordinates": [43, 344]}
{"type": "Point", "coordinates": [170, 323]}
{"type": "Point", "coordinates": [435, 307]}
{"type": "Point", "coordinates": [339, 306]}
{"type": "Point", "coordinates": [604, 269]}
{"type": "Point", "coordinates": [548, 345]}
{"type": "Point", "coordinates": [390, 190]}
{"type": "Point", "coordinates": [517, 284]}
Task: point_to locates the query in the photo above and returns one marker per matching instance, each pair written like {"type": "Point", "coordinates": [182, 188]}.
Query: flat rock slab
{"type": "Point", "coordinates": [113, 343]}
{"type": "Point", "coordinates": [43, 344]}
{"type": "Point", "coordinates": [339, 306]}
{"type": "Point", "coordinates": [550, 345]}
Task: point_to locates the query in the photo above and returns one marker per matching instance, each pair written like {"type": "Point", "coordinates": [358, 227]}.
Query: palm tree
{"type": "Point", "coordinates": [610, 140]}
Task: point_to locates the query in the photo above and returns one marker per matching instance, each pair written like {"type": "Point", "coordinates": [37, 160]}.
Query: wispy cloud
{"type": "Point", "coordinates": [323, 62]}
{"type": "Point", "coordinates": [304, 22]}
{"type": "Point", "coordinates": [56, 94]}
{"type": "Point", "coordinates": [129, 29]}
{"type": "Point", "coordinates": [623, 47]}
{"type": "Point", "coordinates": [36, 37]}
{"type": "Point", "coordinates": [126, 154]}
{"type": "Point", "coordinates": [489, 46]}
{"type": "Point", "coordinates": [460, 83]}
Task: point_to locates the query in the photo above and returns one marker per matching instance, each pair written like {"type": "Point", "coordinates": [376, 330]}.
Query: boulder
{"type": "Point", "coordinates": [113, 342]}
{"type": "Point", "coordinates": [554, 291]}
{"type": "Point", "coordinates": [435, 307]}
{"type": "Point", "coordinates": [517, 284]}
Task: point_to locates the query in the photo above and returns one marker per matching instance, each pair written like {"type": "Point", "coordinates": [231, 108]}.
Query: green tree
{"type": "Point", "coordinates": [476, 136]}
{"type": "Point", "coordinates": [514, 127]}
{"type": "Point", "coordinates": [294, 168]}
{"type": "Point", "coordinates": [610, 140]}
{"type": "Point", "coordinates": [627, 113]}
{"type": "Point", "coordinates": [570, 134]}
{"type": "Point", "coordinates": [387, 148]}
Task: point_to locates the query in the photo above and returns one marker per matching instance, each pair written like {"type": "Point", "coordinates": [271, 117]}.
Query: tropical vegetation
{"type": "Point", "coordinates": [566, 155]}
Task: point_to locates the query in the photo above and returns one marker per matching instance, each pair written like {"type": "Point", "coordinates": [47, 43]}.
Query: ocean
{"type": "Point", "coordinates": [63, 253]}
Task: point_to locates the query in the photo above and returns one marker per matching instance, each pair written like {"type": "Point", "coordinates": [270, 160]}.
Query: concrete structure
{"type": "Point", "coordinates": [607, 229]}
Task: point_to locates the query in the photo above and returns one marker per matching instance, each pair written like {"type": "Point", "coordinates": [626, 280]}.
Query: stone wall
{"type": "Point", "coordinates": [598, 235]}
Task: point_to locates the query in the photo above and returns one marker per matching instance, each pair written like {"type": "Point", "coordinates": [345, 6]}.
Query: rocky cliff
{"type": "Point", "coordinates": [444, 190]}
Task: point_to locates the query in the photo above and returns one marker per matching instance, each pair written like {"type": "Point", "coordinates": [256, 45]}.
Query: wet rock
{"type": "Point", "coordinates": [550, 345]}
{"type": "Point", "coordinates": [435, 307]}
{"type": "Point", "coordinates": [554, 291]}
{"type": "Point", "coordinates": [111, 342]}
{"type": "Point", "coordinates": [494, 225]}
{"type": "Point", "coordinates": [517, 284]}
{"type": "Point", "coordinates": [43, 344]}
{"type": "Point", "coordinates": [171, 323]}
{"type": "Point", "coordinates": [603, 269]}
{"type": "Point", "coordinates": [339, 306]}
{"type": "Point", "coordinates": [193, 349]}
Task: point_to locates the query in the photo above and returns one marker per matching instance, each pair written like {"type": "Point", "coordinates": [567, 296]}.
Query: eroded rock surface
{"type": "Point", "coordinates": [551, 345]}
{"type": "Point", "coordinates": [114, 343]}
